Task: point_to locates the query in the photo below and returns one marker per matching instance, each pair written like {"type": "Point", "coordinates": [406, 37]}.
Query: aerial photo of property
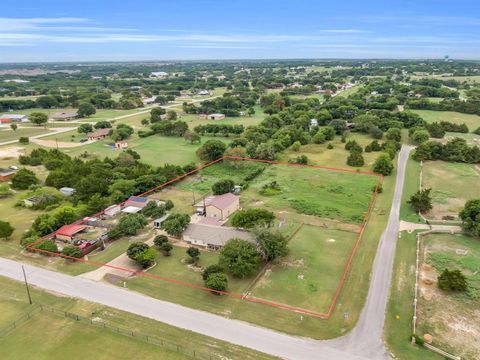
{"type": "Point", "coordinates": [222, 180]}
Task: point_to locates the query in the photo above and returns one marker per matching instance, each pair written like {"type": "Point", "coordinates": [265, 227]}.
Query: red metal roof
{"type": "Point", "coordinates": [70, 230]}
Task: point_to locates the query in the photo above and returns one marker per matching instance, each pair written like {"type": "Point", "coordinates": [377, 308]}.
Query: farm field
{"type": "Point", "coordinates": [7, 134]}
{"type": "Point", "coordinates": [83, 340]}
{"type": "Point", "coordinates": [310, 274]}
{"type": "Point", "coordinates": [193, 119]}
{"type": "Point", "coordinates": [472, 121]}
{"type": "Point", "coordinates": [467, 79]}
{"type": "Point", "coordinates": [452, 319]}
{"type": "Point", "coordinates": [452, 185]}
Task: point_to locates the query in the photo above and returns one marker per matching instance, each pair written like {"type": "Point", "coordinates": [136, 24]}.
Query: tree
{"type": "Point", "coordinates": [452, 280]}
{"type": "Point", "coordinates": [141, 253]}
{"type": "Point", "coordinates": [72, 251]}
{"type": "Point", "coordinates": [171, 115]}
{"type": "Point", "coordinates": [237, 151]}
{"type": "Point", "coordinates": [420, 136]}
{"type": "Point", "coordinates": [217, 281]}
{"type": "Point", "coordinates": [296, 146]}
{"type": "Point", "coordinates": [5, 229]}
{"type": "Point", "coordinates": [14, 127]}
{"type": "Point", "coordinates": [85, 128]}
{"type": "Point", "coordinates": [223, 187]}
{"type": "Point", "coordinates": [156, 114]}
{"type": "Point", "coordinates": [23, 179]}
{"type": "Point", "coordinates": [421, 201]}
{"type": "Point", "coordinates": [103, 124]}
{"type": "Point", "coordinates": [48, 245]}
{"type": "Point", "coordinates": [146, 258]}
{"type": "Point", "coordinates": [132, 223]}
{"type": "Point", "coordinates": [383, 165]}
{"type": "Point", "coordinates": [211, 150]}
{"type": "Point", "coordinates": [38, 118]}
{"type": "Point", "coordinates": [122, 132]}
{"type": "Point", "coordinates": [211, 270]}
{"type": "Point", "coordinates": [145, 122]}
{"type": "Point", "coordinates": [176, 224]}
{"type": "Point", "coordinates": [394, 134]}
{"type": "Point", "coordinates": [272, 244]}
{"type": "Point", "coordinates": [250, 218]}
{"type": "Point", "coordinates": [250, 111]}
{"type": "Point", "coordinates": [24, 140]}
{"type": "Point", "coordinates": [86, 109]}
{"type": "Point", "coordinates": [470, 216]}
{"type": "Point", "coordinates": [239, 257]}
{"type": "Point", "coordinates": [355, 159]}
{"type": "Point", "coordinates": [338, 125]}
{"type": "Point", "coordinates": [159, 240]}
{"type": "Point", "coordinates": [193, 137]}
{"type": "Point", "coordinates": [194, 254]}
{"type": "Point", "coordinates": [166, 248]}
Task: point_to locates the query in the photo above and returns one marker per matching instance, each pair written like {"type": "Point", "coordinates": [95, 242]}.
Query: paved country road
{"type": "Point", "coordinates": [364, 342]}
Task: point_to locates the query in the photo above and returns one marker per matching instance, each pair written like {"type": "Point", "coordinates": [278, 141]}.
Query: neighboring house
{"type": "Point", "coordinates": [204, 92]}
{"type": "Point", "coordinates": [158, 74]}
{"type": "Point", "coordinates": [149, 100]}
{"type": "Point", "coordinates": [67, 232]}
{"type": "Point", "coordinates": [13, 118]}
{"type": "Point", "coordinates": [99, 134]}
{"type": "Point", "coordinates": [157, 223]}
{"type": "Point", "coordinates": [212, 237]}
{"type": "Point", "coordinates": [121, 145]}
{"type": "Point", "coordinates": [134, 204]}
{"type": "Point", "coordinates": [6, 174]}
{"type": "Point", "coordinates": [67, 191]}
{"type": "Point", "coordinates": [64, 116]}
{"type": "Point", "coordinates": [212, 116]}
{"type": "Point", "coordinates": [219, 207]}
{"type": "Point", "coordinates": [112, 210]}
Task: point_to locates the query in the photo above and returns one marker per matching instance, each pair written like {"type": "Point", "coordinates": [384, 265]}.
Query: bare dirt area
{"type": "Point", "coordinates": [60, 144]}
{"type": "Point", "coordinates": [12, 152]}
{"type": "Point", "coordinates": [452, 320]}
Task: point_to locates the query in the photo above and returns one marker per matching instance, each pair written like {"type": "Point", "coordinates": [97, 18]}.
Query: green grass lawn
{"type": "Point", "coordinates": [398, 332]}
{"type": "Point", "coordinates": [452, 185]}
{"type": "Point", "coordinates": [472, 121]}
{"type": "Point", "coordinates": [193, 120]}
{"type": "Point", "coordinates": [7, 134]}
{"type": "Point", "coordinates": [48, 336]}
{"type": "Point", "coordinates": [310, 274]}
{"type": "Point", "coordinates": [411, 186]}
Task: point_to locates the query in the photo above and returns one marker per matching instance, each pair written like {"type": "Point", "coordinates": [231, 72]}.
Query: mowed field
{"type": "Point", "coordinates": [452, 185]}
{"type": "Point", "coordinates": [472, 121]}
{"type": "Point", "coordinates": [309, 275]}
{"type": "Point", "coordinates": [7, 134]}
{"type": "Point", "coordinates": [452, 319]}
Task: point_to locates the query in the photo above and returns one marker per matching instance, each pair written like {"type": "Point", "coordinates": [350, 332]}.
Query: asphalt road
{"type": "Point", "coordinates": [364, 342]}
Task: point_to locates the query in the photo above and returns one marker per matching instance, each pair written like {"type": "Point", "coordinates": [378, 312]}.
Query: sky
{"type": "Point", "coordinates": [121, 30]}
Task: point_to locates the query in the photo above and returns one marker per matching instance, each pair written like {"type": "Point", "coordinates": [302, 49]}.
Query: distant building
{"type": "Point", "coordinates": [6, 174]}
{"type": "Point", "coordinates": [158, 74]}
{"type": "Point", "coordinates": [14, 118]}
{"type": "Point", "coordinates": [157, 223]}
{"type": "Point", "coordinates": [65, 116]}
{"type": "Point", "coordinates": [67, 191]}
{"type": "Point", "coordinates": [112, 210]}
{"type": "Point", "coordinates": [134, 204]}
{"type": "Point", "coordinates": [121, 145]}
{"type": "Point", "coordinates": [219, 207]}
{"type": "Point", "coordinates": [99, 134]}
{"type": "Point", "coordinates": [204, 92]}
{"type": "Point", "coordinates": [313, 123]}
{"type": "Point", "coordinates": [212, 116]}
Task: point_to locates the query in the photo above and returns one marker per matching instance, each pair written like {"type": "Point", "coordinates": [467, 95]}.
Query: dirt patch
{"type": "Point", "coordinates": [299, 263]}
{"type": "Point", "coordinates": [60, 144]}
{"type": "Point", "coordinates": [12, 152]}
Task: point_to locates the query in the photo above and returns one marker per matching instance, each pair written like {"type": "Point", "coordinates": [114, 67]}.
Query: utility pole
{"type": "Point", "coordinates": [56, 142]}
{"type": "Point", "coordinates": [26, 285]}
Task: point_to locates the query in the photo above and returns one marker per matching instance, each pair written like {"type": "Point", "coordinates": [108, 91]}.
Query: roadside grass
{"type": "Point", "coordinates": [451, 318]}
{"type": "Point", "coordinates": [306, 278]}
{"type": "Point", "coordinates": [398, 332]}
{"type": "Point", "coordinates": [472, 121]}
{"type": "Point", "coordinates": [51, 336]}
{"type": "Point", "coordinates": [8, 134]}
{"type": "Point", "coordinates": [411, 186]}
{"type": "Point", "coordinates": [452, 185]}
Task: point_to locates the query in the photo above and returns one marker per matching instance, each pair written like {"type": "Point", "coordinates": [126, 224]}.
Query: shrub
{"type": "Point", "coordinates": [250, 218]}
{"type": "Point", "coordinates": [452, 280]}
{"type": "Point", "coordinates": [217, 281]}
{"type": "Point", "coordinates": [383, 165]}
{"type": "Point", "coordinates": [47, 245]}
{"type": "Point", "coordinates": [23, 140]}
{"type": "Point", "coordinates": [160, 240]}
{"type": "Point", "coordinates": [166, 248]}
{"type": "Point", "coordinates": [72, 251]}
{"type": "Point", "coordinates": [222, 187]}
{"type": "Point", "coordinates": [211, 270]}
{"type": "Point", "coordinates": [239, 257]}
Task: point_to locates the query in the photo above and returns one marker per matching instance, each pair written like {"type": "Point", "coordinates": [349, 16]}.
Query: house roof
{"type": "Point", "coordinates": [99, 132]}
{"type": "Point", "coordinates": [215, 235]}
{"type": "Point", "coordinates": [66, 188]}
{"type": "Point", "coordinates": [221, 202]}
{"type": "Point", "coordinates": [13, 116]}
{"type": "Point", "coordinates": [131, 209]}
{"type": "Point", "coordinates": [136, 201]}
{"type": "Point", "coordinates": [6, 172]}
{"type": "Point", "coordinates": [64, 115]}
{"type": "Point", "coordinates": [209, 221]}
{"type": "Point", "coordinates": [70, 230]}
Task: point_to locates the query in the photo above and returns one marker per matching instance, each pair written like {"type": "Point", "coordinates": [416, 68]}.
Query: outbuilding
{"type": "Point", "coordinates": [67, 232]}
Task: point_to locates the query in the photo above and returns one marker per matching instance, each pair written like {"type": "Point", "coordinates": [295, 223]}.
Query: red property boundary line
{"type": "Point", "coordinates": [234, 295]}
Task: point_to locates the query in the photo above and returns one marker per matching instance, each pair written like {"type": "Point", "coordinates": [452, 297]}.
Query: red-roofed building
{"type": "Point", "coordinates": [67, 232]}
{"type": "Point", "coordinates": [99, 134]}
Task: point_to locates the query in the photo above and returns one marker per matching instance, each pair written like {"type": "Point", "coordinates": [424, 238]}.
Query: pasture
{"type": "Point", "coordinates": [472, 121]}
{"type": "Point", "coordinates": [452, 185]}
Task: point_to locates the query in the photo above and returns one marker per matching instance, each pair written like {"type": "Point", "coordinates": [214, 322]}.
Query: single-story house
{"type": "Point", "coordinates": [149, 100]}
{"type": "Point", "coordinates": [121, 145]}
{"type": "Point", "coordinates": [213, 237]}
{"type": "Point", "coordinates": [13, 118]}
{"type": "Point", "coordinates": [212, 116]}
{"type": "Point", "coordinates": [218, 206]}
{"type": "Point", "coordinates": [6, 174]}
{"type": "Point", "coordinates": [136, 201]}
{"type": "Point", "coordinates": [67, 191]}
{"type": "Point", "coordinates": [112, 210]}
{"type": "Point", "coordinates": [157, 223]}
{"type": "Point", "coordinates": [64, 116]}
{"type": "Point", "coordinates": [204, 92]}
{"type": "Point", "coordinates": [67, 232]}
{"type": "Point", "coordinates": [99, 134]}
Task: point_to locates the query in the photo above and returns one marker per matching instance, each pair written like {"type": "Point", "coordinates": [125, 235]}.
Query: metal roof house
{"type": "Point", "coordinates": [213, 237]}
